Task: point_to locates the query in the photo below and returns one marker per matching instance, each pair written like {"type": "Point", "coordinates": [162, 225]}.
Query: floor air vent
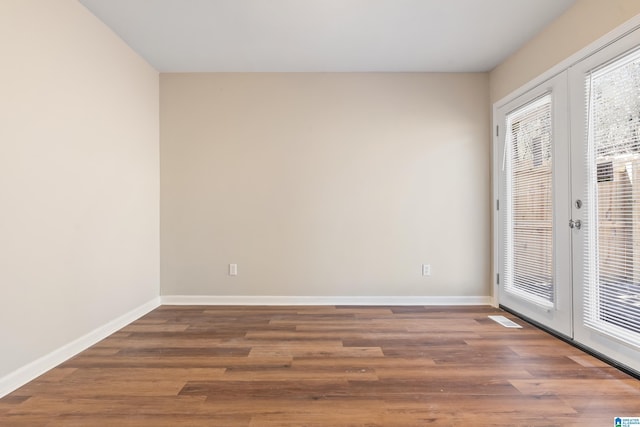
{"type": "Point", "coordinates": [505, 322]}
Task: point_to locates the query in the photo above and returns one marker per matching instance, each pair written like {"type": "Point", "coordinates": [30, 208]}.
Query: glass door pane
{"type": "Point", "coordinates": [528, 219]}
{"type": "Point", "coordinates": [613, 298]}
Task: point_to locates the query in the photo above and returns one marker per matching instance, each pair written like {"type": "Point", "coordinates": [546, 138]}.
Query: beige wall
{"type": "Point", "coordinates": [325, 184]}
{"type": "Point", "coordinates": [79, 179]}
{"type": "Point", "coordinates": [579, 26]}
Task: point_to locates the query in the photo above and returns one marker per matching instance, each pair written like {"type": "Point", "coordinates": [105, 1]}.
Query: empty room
{"type": "Point", "coordinates": [319, 212]}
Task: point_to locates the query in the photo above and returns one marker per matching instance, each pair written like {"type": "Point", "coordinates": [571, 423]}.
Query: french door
{"type": "Point", "coordinates": [605, 127]}
{"type": "Point", "coordinates": [535, 277]}
{"type": "Point", "coordinates": [568, 229]}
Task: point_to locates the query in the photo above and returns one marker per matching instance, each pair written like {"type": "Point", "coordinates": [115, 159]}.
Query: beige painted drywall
{"type": "Point", "coordinates": [325, 184]}
{"type": "Point", "coordinates": [582, 24]}
{"type": "Point", "coordinates": [79, 178]}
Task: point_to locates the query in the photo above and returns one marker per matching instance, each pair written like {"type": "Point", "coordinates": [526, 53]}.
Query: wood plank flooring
{"type": "Point", "coordinates": [325, 366]}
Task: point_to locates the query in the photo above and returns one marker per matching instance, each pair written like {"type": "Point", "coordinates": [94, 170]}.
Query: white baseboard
{"type": "Point", "coordinates": [322, 300]}
{"type": "Point", "coordinates": [38, 367]}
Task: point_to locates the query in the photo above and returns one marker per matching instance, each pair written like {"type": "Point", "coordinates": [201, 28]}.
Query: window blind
{"type": "Point", "coordinates": [528, 227]}
{"type": "Point", "coordinates": [612, 226]}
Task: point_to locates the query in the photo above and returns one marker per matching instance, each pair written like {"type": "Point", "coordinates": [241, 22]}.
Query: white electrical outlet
{"type": "Point", "coordinates": [233, 269]}
{"type": "Point", "coordinates": [426, 269]}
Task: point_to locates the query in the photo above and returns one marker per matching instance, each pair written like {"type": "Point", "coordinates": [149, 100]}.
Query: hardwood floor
{"type": "Point", "coordinates": [325, 366]}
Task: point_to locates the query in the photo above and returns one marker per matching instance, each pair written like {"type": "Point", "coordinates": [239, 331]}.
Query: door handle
{"type": "Point", "coordinates": [577, 224]}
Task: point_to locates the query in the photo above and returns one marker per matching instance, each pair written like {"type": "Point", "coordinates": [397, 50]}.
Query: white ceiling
{"type": "Point", "coordinates": [326, 35]}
